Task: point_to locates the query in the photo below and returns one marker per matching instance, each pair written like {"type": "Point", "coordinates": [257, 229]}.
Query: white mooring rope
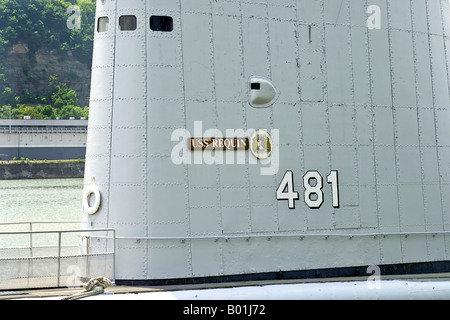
{"type": "Point", "coordinates": [93, 287]}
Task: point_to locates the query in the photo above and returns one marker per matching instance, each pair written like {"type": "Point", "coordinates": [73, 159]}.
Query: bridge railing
{"type": "Point", "coordinates": [36, 130]}
{"type": "Point", "coordinates": [54, 258]}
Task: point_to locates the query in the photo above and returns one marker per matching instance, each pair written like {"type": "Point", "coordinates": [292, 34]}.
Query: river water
{"type": "Point", "coordinates": [40, 200]}
{"type": "Point", "coordinates": [47, 200]}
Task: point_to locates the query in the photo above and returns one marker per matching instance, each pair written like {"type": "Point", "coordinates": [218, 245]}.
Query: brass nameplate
{"type": "Point", "coordinates": [226, 144]}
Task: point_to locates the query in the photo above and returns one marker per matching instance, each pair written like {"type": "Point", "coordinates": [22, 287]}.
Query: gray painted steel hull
{"type": "Point", "coordinates": [363, 109]}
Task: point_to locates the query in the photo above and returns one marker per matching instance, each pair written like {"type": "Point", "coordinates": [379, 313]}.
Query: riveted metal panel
{"type": "Point", "coordinates": [348, 216]}
{"type": "Point", "coordinates": [263, 210]}
{"type": "Point", "coordinates": [161, 199]}
{"type": "Point", "coordinates": [282, 10]}
{"type": "Point", "coordinates": [133, 262]}
{"type": "Point", "coordinates": [163, 6]}
{"type": "Point", "coordinates": [127, 146]}
{"type": "Point", "coordinates": [206, 259]}
{"type": "Point", "coordinates": [427, 127]}
{"type": "Point", "coordinates": [98, 142]}
{"type": "Point", "coordinates": [419, 15]}
{"type": "Point", "coordinates": [311, 61]}
{"type": "Point", "coordinates": [316, 156]}
{"type": "Point", "coordinates": [433, 205]}
{"type": "Point", "coordinates": [255, 178]}
{"type": "Point", "coordinates": [129, 5]}
{"type": "Point", "coordinates": [235, 209]}
{"type": "Point", "coordinates": [309, 11]}
{"type": "Point", "coordinates": [400, 15]}
{"type": "Point", "coordinates": [98, 153]}
{"type": "Point", "coordinates": [364, 126]}
{"type": "Point", "coordinates": [388, 207]}
{"type": "Point", "coordinates": [357, 10]}
{"type": "Point", "coordinates": [335, 12]}
{"type": "Point", "coordinates": [255, 48]}
{"type": "Point", "coordinates": [445, 189]}
{"type": "Point", "coordinates": [423, 71]}
{"type": "Point", "coordinates": [339, 76]}
{"type": "Point", "coordinates": [381, 86]}
{"type": "Point", "coordinates": [198, 68]}
{"type": "Point", "coordinates": [409, 166]}
{"type": "Point", "coordinates": [385, 163]}
{"type": "Point", "coordinates": [104, 44]}
{"type": "Point", "coordinates": [200, 111]}
{"type": "Point", "coordinates": [228, 69]}
{"type": "Point", "coordinates": [413, 248]}
{"type": "Point", "coordinates": [383, 126]}
{"type": "Point", "coordinates": [165, 113]}
{"type": "Point", "coordinates": [407, 127]}
{"type": "Point", "coordinates": [314, 124]}
{"type": "Point", "coordinates": [444, 163]}
{"type": "Point", "coordinates": [430, 172]}
{"type": "Point", "coordinates": [366, 166]}
{"type": "Point", "coordinates": [360, 66]}
{"type": "Point", "coordinates": [165, 50]}
{"type": "Point", "coordinates": [445, 7]}
{"type": "Point", "coordinates": [439, 72]}
{"type": "Point", "coordinates": [167, 193]}
{"type": "Point", "coordinates": [402, 61]}
{"type": "Point", "coordinates": [102, 77]}
{"type": "Point", "coordinates": [236, 219]}
{"type": "Point", "coordinates": [434, 17]}
{"type": "Point", "coordinates": [236, 175]}
{"type": "Point", "coordinates": [368, 210]}
{"type": "Point", "coordinates": [230, 115]}
{"type": "Point", "coordinates": [168, 259]}
{"type": "Point", "coordinates": [344, 157]}
{"type": "Point", "coordinates": [156, 138]}
{"type": "Point", "coordinates": [283, 53]}
{"type": "Point", "coordinates": [442, 127]}
{"type": "Point", "coordinates": [202, 176]}
{"type": "Point", "coordinates": [342, 125]}
{"type": "Point", "coordinates": [259, 118]}
{"type": "Point", "coordinates": [437, 247]}
{"type": "Point", "coordinates": [230, 8]}
{"type": "Point", "coordinates": [165, 82]}
{"type": "Point", "coordinates": [205, 219]}
{"type": "Point", "coordinates": [288, 116]}
{"type": "Point", "coordinates": [128, 215]}
{"type": "Point", "coordinates": [411, 208]}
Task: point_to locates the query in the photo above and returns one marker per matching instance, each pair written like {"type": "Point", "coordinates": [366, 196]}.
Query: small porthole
{"type": "Point", "coordinates": [161, 23]}
{"type": "Point", "coordinates": [102, 24]}
{"type": "Point", "coordinates": [127, 23]}
{"type": "Point", "coordinates": [255, 86]}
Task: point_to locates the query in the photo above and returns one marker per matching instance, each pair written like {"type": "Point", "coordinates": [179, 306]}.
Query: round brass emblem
{"type": "Point", "coordinates": [261, 144]}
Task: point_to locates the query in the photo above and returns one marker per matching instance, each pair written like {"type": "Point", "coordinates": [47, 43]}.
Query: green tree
{"type": "Point", "coordinates": [86, 112]}
{"type": "Point", "coordinates": [61, 94]}
{"type": "Point", "coordinates": [47, 112]}
{"type": "Point", "coordinates": [41, 23]}
{"type": "Point", "coordinates": [4, 111]}
{"type": "Point", "coordinates": [7, 97]}
{"type": "Point", "coordinates": [3, 44]}
{"type": "Point", "coordinates": [81, 40]}
{"type": "Point", "coordinates": [68, 111]}
{"type": "Point", "coordinates": [24, 110]}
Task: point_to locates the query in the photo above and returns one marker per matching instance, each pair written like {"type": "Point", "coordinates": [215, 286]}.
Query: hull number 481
{"type": "Point", "coordinates": [313, 185]}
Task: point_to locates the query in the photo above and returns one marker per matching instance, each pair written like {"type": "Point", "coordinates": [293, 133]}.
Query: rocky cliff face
{"type": "Point", "coordinates": [31, 71]}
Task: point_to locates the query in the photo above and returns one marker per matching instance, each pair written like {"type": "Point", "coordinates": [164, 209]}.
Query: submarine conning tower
{"type": "Point", "coordinates": [276, 138]}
